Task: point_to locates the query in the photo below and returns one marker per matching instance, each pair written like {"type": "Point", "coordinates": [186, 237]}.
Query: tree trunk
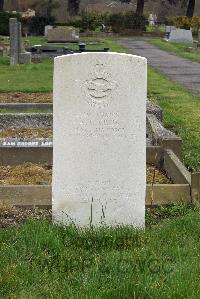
{"type": "Point", "coordinates": [73, 7]}
{"type": "Point", "coordinates": [172, 2]}
{"type": "Point", "coordinates": [140, 7]}
{"type": "Point", "coordinates": [1, 5]}
{"type": "Point", "coordinates": [49, 8]}
{"type": "Point", "coordinates": [190, 8]}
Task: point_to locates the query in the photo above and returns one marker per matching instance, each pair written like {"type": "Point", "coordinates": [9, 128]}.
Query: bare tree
{"type": "Point", "coordinates": [125, 1]}
{"type": "Point", "coordinates": [73, 7]}
{"type": "Point", "coordinates": [190, 8]}
{"type": "Point", "coordinates": [172, 2]}
{"type": "Point", "coordinates": [140, 7]}
{"type": "Point", "coordinates": [1, 5]}
{"type": "Point", "coordinates": [46, 7]}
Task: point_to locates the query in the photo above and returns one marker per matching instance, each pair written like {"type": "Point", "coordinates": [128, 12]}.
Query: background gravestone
{"type": "Point", "coordinates": [99, 149]}
{"type": "Point", "coordinates": [181, 36]}
{"type": "Point", "coordinates": [46, 28]}
{"type": "Point", "coordinates": [17, 51]}
{"type": "Point", "coordinates": [14, 41]}
{"type": "Point", "coordinates": [168, 29]}
{"type": "Point", "coordinates": [62, 34]}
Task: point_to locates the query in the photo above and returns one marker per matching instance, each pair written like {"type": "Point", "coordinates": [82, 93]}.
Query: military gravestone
{"type": "Point", "coordinates": [99, 159]}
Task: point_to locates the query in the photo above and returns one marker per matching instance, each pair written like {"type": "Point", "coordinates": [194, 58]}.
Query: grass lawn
{"type": "Point", "coordinates": [26, 78]}
{"type": "Point", "coordinates": [107, 43]}
{"type": "Point", "coordinates": [177, 48]}
{"type": "Point", "coordinates": [181, 114]}
{"type": "Point", "coordinates": [39, 260]}
{"type": "Point", "coordinates": [38, 77]}
{"type": "Point", "coordinates": [155, 28]}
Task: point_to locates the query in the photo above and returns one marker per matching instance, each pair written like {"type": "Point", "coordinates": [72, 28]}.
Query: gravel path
{"type": "Point", "coordinates": [178, 69]}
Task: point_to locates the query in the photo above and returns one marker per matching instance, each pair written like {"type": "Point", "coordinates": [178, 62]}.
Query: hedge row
{"type": "Point", "coordinates": [86, 21]}
{"type": "Point", "coordinates": [35, 25]}
{"type": "Point", "coordinates": [185, 22]}
{"type": "Point", "coordinates": [117, 22]}
{"type": "Point", "coordinates": [4, 22]}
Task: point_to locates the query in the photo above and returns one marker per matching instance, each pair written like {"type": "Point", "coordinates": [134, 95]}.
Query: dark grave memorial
{"type": "Point", "coordinates": [41, 52]}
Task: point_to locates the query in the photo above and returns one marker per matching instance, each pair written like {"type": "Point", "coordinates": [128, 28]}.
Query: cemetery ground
{"type": "Point", "coordinates": [39, 259]}
{"type": "Point", "coordinates": [177, 48]}
{"type": "Point", "coordinates": [181, 107]}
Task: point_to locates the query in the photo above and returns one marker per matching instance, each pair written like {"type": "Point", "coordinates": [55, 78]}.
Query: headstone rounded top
{"type": "Point", "coordinates": [106, 54]}
{"type": "Point", "coordinates": [99, 73]}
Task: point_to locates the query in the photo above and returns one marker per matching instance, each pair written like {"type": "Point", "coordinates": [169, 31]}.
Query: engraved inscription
{"type": "Point", "coordinates": [25, 143]}
{"type": "Point", "coordinates": [103, 124]}
{"type": "Point", "coordinates": [99, 86]}
{"type": "Point", "coordinates": [85, 191]}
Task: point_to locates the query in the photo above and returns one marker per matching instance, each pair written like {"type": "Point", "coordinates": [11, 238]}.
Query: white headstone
{"type": "Point", "coordinates": [181, 36]}
{"type": "Point", "coordinates": [168, 29]}
{"type": "Point", "coordinates": [99, 159]}
{"type": "Point", "coordinates": [46, 28]}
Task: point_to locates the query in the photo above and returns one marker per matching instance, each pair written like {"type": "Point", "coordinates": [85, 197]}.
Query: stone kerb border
{"type": "Point", "coordinates": [175, 168]}
{"type": "Point", "coordinates": [15, 151]}
{"type": "Point", "coordinates": [186, 187]}
{"type": "Point", "coordinates": [163, 137]}
{"type": "Point", "coordinates": [155, 110]}
{"type": "Point", "coordinates": [151, 108]}
{"type": "Point", "coordinates": [165, 152]}
{"type": "Point", "coordinates": [20, 143]}
{"type": "Point", "coordinates": [40, 196]}
{"type": "Point", "coordinates": [19, 107]}
{"type": "Point", "coordinates": [44, 120]}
